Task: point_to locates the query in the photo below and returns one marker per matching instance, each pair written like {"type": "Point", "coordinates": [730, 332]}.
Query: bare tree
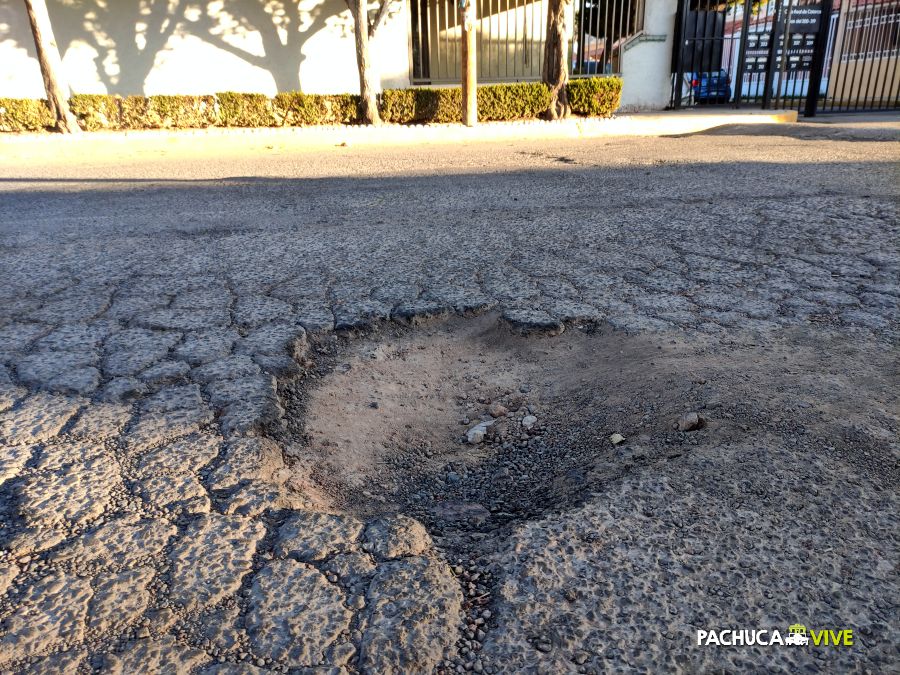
{"type": "Point", "coordinates": [51, 66]}
{"type": "Point", "coordinates": [365, 28]}
{"type": "Point", "coordinates": [556, 72]}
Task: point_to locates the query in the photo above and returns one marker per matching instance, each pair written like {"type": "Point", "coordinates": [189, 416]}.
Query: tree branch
{"type": "Point", "coordinates": [379, 18]}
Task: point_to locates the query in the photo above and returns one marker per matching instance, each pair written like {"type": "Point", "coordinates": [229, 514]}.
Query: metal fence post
{"type": "Point", "coordinates": [683, 7]}
{"type": "Point", "coordinates": [742, 57]}
{"type": "Point", "coordinates": [817, 66]}
{"type": "Point", "coordinates": [773, 51]}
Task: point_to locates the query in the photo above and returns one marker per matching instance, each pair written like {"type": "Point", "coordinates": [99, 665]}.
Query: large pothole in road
{"type": "Point", "coordinates": [470, 424]}
{"type": "Point", "coordinates": [382, 421]}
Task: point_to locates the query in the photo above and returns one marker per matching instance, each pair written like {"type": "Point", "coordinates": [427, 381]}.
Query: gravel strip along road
{"type": "Point", "coordinates": [494, 408]}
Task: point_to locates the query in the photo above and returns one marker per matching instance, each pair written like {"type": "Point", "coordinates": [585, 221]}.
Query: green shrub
{"type": "Point", "coordinates": [298, 109]}
{"type": "Point", "coordinates": [595, 96]}
{"type": "Point", "coordinates": [523, 100]}
{"type": "Point", "coordinates": [168, 112]}
{"type": "Point", "coordinates": [496, 102]}
{"type": "Point", "coordinates": [406, 106]}
{"type": "Point", "coordinates": [245, 110]}
{"type": "Point", "coordinates": [25, 114]}
{"type": "Point", "coordinates": [96, 111]}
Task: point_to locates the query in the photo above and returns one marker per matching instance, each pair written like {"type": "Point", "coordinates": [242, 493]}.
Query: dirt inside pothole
{"type": "Point", "coordinates": [378, 423]}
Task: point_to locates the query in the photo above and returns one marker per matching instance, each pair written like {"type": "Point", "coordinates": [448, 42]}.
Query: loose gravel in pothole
{"type": "Point", "coordinates": [525, 455]}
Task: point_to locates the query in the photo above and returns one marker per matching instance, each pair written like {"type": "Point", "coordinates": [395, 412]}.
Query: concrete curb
{"type": "Point", "coordinates": [639, 124]}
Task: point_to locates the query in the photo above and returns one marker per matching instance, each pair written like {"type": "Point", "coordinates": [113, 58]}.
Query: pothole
{"type": "Point", "coordinates": [381, 421]}
{"type": "Point", "coordinates": [470, 425]}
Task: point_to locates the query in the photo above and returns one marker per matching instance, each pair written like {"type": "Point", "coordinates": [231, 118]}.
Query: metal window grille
{"type": "Point", "coordinates": [603, 29]}
{"type": "Point", "coordinates": [511, 35]}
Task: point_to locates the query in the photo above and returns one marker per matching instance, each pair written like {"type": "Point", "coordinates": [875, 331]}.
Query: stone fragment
{"type": "Point", "coordinates": [295, 614]}
{"type": "Point", "coordinates": [312, 535]}
{"type": "Point", "coordinates": [212, 557]}
{"type": "Point", "coordinates": [476, 434]}
{"type": "Point", "coordinates": [161, 657]}
{"type": "Point", "coordinates": [37, 418]}
{"type": "Point", "coordinates": [119, 599]}
{"type": "Point", "coordinates": [395, 537]}
{"type": "Point", "coordinates": [689, 421]}
{"type": "Point", "coordinates": [52, 610]}
{"type": "Point", "coordinates": [412, 615]}
{"type": "Point", "coordinates": [122, 541]}
{"type": "Point", "coordinates": [496, 409]}
{"type": "Point", "coordinates": [615, 439]}
{"type": "Point", "coordinates": [528, 422]}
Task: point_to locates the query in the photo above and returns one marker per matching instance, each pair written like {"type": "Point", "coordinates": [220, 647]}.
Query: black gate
{"type": "Point", "coordinates": [808, 55]}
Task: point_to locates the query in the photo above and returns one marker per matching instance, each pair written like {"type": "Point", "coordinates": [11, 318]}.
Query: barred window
{"type": "Point", "coordinates": [873, 31]}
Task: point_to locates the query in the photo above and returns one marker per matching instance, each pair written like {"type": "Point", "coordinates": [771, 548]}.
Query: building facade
{"type": "Point", "coordinates": [183, 47]}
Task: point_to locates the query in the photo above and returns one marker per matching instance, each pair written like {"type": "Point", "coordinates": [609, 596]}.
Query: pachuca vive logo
{"type": "Point", "coordinates": [797, 636]}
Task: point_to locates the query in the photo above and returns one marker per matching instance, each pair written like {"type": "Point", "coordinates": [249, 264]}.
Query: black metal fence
{"type": "Point", "coordinates": [807, 55]}
{"type": "Point", "coordinates": [511, 36]}
{"type": "Point", "coordinates": [603, 29]}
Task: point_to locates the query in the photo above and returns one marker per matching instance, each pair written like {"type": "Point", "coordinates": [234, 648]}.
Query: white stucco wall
{"type": "Point", "coordinates": [647, 61]}
{"type": "Point", "coordinates": [202, 47]}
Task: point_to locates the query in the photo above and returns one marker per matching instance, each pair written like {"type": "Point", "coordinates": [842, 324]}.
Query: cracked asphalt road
{"type": "Point", "coordinates": [150, 305]}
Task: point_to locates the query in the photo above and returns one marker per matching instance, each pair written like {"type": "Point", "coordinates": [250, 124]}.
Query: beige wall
{"type": "Point", "coordinates": [181, 47]}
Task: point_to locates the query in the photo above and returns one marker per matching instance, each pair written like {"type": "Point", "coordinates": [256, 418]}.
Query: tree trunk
{"type": "Point", "coordinates": [556, 51]}
{"type": "Point", "coordinates": [51, 66]}
{"type": "Point", "coordinates": [368, 105]}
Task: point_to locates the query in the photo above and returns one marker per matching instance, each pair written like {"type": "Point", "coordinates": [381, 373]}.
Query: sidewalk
{"type": "Point", "coordinates": [56, 148]}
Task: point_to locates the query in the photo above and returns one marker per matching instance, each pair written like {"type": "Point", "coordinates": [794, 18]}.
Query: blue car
{"type": "Point", "coordinates": [713, 87]}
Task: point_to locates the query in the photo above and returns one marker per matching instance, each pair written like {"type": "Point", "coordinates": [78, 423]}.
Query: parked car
{"type": "Point", "coordinates": [712, 87]}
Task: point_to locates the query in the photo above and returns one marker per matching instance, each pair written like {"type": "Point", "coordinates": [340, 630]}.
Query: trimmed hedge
{"type": "Point", "coordinates": [25, 114]}
{"type": "Point", "coordinates": [296, 109]}
{"type": "Point", "coordinates": [168, 112]}
{"type": "Point", "coordinates": [496, 102]}
{"type": "Point", "coordinates": [245, 110]}
{"type": "Point", "coordinates": [405, 106]}
{"type": "Point", "coordinates": [96, 111]}
{"type": "Point", "coordinates": [595, 96]}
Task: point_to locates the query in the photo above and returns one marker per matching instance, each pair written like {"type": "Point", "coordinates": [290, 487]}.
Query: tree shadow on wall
{"type": "Point", "coordinates": [127, 35]}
